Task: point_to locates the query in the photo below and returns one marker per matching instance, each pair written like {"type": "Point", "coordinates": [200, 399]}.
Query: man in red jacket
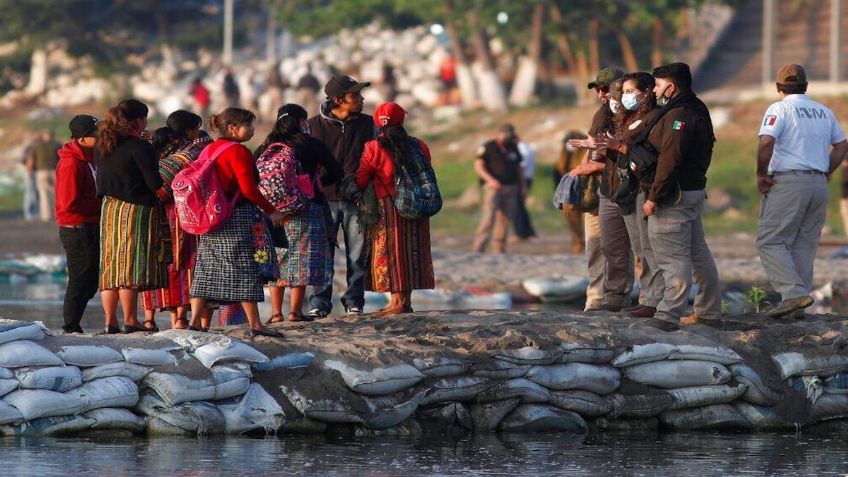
{"type": "Point", "coordinates": [78, 216]}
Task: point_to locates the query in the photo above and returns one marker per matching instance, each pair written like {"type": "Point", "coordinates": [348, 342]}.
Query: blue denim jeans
{"type": "Point", "coordinates": [345, 215]}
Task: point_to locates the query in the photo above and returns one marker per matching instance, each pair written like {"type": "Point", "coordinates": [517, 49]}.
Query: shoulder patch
{"type": "Point", "coordinates": [769, 120]}
{"type": "Point", "coordinates": [678, 125]}
{"type": "Point", "coordinates": [481, 151]}
{"type": "Point", "coordinates": [634, 124]}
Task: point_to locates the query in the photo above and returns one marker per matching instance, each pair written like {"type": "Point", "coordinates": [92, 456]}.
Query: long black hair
{"type": "Point", "coordinates": [396, 140]}
{"type": "Point", "coordinates": [287, 127]}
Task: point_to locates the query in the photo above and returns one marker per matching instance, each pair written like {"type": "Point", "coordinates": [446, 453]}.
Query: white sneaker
{"type": "Point", "coordinates": [354, 310]}
{"type": "Point", "coordinates": [317, 313]}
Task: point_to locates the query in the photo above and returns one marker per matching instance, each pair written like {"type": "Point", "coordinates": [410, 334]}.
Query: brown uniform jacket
{"type": "Point", "coordinates": [684, 137]}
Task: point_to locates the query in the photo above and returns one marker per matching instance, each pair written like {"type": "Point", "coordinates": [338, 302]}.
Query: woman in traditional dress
{"type": "Point", "coordinates": [400, 259]}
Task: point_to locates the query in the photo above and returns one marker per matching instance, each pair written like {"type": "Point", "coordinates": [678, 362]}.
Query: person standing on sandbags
{"type": "Point", "coordinates": [801, 144]}
{"type": "Point", "coordinates": [342, 126]}
{"type": "Point", "coordinates": [78, 218]}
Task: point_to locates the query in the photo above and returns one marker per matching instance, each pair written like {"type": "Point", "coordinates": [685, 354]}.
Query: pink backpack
{"type": "Point", "coordinates": [281, 180]}
{"type": "Point", "coordinates": [200, 202]}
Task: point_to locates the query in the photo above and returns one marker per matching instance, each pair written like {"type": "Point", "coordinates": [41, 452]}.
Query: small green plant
{"type": "Point", "coordinates": [725, 307]}
{"type": "Point", "coordinates": [756, 299]}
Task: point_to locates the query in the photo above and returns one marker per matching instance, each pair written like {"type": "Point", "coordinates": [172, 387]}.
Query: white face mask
{"type": "Point", "coordinates": [630, 101]}
{"type": "Point", "coordinates": [613, 105]}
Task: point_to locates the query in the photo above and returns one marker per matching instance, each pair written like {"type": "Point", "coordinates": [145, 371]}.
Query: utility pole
{"type": "Point", "coordinates": [227, 56]}
{"type": "Point", "coordinates": [769, 14]}
{"type": "Point", "coordinates": [835, 40]}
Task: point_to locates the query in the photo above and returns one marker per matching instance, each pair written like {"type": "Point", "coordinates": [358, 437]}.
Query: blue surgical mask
{"type": "Point", "coordinates": [630, 101]}
{"type": "Point", "coordinates": [613, 105]}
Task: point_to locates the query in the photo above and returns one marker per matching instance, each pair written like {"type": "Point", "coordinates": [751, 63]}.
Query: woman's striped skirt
{"type": "Point", "coordinates": [133, 249]}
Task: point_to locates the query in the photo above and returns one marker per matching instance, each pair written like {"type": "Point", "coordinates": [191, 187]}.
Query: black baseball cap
{"type": "Point", "coordinates": [82, 125]}
{"type": "Point", "coordinates": [341, 85]}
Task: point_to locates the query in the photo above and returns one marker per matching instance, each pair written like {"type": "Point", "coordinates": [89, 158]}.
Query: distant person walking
{"type": "Point", "coordinates": [78, 217]}
{"type": "Point", "coordinates": [200, 94]}
{"type": "Point", "coordinates": [232, 93]}
{"type": "Point", "coordinates": [801, 143]}
{"type": "Point", "coordinates": [41, 163]}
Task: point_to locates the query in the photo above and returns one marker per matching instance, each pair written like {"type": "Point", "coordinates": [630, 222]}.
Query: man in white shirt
{"type": "Point", "coordinates": [801, 143]}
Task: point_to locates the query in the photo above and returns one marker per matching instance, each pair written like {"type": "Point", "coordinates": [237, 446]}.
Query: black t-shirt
{"type": "Point", "coordinates": [130, 173]}
{"type": "Point", "coordinates": [504, 164]}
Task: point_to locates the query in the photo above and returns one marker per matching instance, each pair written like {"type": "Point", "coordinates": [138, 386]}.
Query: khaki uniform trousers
{"type": "Point", "coordinates": [615, 245]}
{"type": "Point", "coordinates": [496, 216]}
{"type": "Point", "coordinates": [44, 182]}
{"type": "Point", "coordinates": [597, 263]}
{"type": "Point", "coordinates": [651, 285]}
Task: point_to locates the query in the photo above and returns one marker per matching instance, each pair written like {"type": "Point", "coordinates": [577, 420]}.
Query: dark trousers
{"type": "Point", "coordinates": [82, 248]}
{"type": "Point", "coordinates": [346, 215]}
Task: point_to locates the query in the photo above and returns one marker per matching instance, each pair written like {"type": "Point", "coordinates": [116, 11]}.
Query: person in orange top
{"type": "Point", "coordinates": [400, 248]}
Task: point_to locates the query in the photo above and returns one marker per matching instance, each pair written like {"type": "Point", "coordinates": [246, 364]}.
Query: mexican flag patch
{"type": "Point", "coordinates": [770, 120]}
{"type": "Point", "coordinates": [678, 125]}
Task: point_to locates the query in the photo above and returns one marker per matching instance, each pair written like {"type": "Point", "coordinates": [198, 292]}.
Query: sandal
{"type": "Point", "coordinates": [254, 332]}
{"type": "Point", "coordinates": [181, 321]}
{"type": "Point", "coordinates": [135, 329]}
{"type": "Point", "coordinates": [295, 317]}
{"type": "Point", "coordinates": [151, 326]}
{"type": "Point", "coordinates": [110, 330]}
{"type": "Point", "coordinates": [197, 328]}
{"type": "Point", "coordinates": [276, 318]}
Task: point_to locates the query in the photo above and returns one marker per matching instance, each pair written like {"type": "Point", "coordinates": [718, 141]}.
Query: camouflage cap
{"type": "Point", "coordinates": [791, 74]}
{"type": "Point", "coordinates": [605, 77]}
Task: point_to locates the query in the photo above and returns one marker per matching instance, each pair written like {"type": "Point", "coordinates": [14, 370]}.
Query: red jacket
{"type": "Point", "coordinates": [76, 193]}
{"type": "Point", "coordinates": [237, 172]}
{"type": "Point", "coordinates": [377, 164]}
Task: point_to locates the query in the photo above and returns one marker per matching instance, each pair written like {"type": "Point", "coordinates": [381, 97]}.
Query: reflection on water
{"type": "Point", "coordinates": [543, 454]}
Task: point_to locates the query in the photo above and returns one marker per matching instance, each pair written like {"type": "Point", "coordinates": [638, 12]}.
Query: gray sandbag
{"type": "Point", "coordinates": [758, 392]}
{"type": "Point", "coordinates": [678, 374]}
{"type": "Point", "coordinates": [224, 349]}
{"type": "Point", "coordinates": [588, 377]}
{"type": "Point", "coordinates": [14, 330]}
{"type": "Point", "coordinates": [763, 418]}
{"type": "Point", "coordinates": [25, 353]}
{"type": "Point", "coordinates": [836, 384]}
{"type": "Point", "coordinates": [798, 364]}
{"type": "Point", "coordinates": [329, 408]}
{"type": "Point", "coordinates": [407, 428]}
{"type": "Point", "coordinates": [6, 373]}
{"type": "Point", "coordinates": [230, 379]}
{"type": "Point", "coordinates": [495, 369]}
{"type": "Point", "coordinates": [8, 385]}
{"type": "Point", "coordinates": [717, 417]}
{"type": "Point", "coordinates": [53, 378]}
{"type": "Point", "coordinates": [542, 418]}
{"type": "Point", "coordinates": [527, 355]}
{"type": "Point", "coordinates": [376, 381]}
{"type": "Point", "coordinates": [49, 426]}
{"type": "Point", "coordinates": [133, 371]}
{"type": "Point", "coordinates": [255, 410]}
{"type": "Point", "coordinates": [442, 367]}
{"type": "Point", "coordinates": [639, 406]}
{"type": "Point", "coordinates": [487, 416]}
{"type": "Point", "coordinates": [464, 388]}
{"type": "Point", "coordinates": [158, 427]}
{"type": "Point", "coordinates": [176, 388]}
{"type": "Point", "coordinates": [150, 357]}
{"type": "Point", "coordinates": [528, 391]}
{"type": "Point", "coordinates": [115, 419]}
{"type": "Point", "coordinates": [610, 424]}
{"type": "Point", "coordinates": [89, 355]}
{"type": "Point", "coordinates": [287, 361]}
{"type": "Point", "coordinates": [585, 403]}
{"type": "Point", "coordinates": [388, 412]}
{"type": "Point", "coordinates": [829, 406]}
{"type": "Point", "coordinates": [646, 353]}
{"type": "Point", "coordinates": [577, 353]}
{"type": "Point", "coordinates": [698, 396]}
{"type": "Point", "coordinates": [451, 415]}
{"type": "Point", "coordinates": [196, 417]}
{"type": "Point", "coordinates": [9, 413]}
{"type": "Point", "coordinates": [715, 354]}
{"type": "Point", "coordinates": [114, 391]}
{"type": "Point", "coordinates": [810, 386]}
{"type": "Point", "coordinates": [35, 403]}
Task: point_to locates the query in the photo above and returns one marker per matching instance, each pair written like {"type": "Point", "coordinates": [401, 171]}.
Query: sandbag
{"type": "Point", "coordinates": [377, 381]}
{"type": "Point", "coordinates": [255, 410]}
{"type": "Point", "coordinates": [451, 415]}
{"type": "Point", "coordinates": [49, 426]}
{"type": "Point", "coordinates": [330, 409]}
{"type": "Point", "coordinates": [442, 367]}
{"type": "Point", "coordinates": [8, 385]}
{"type": "Point", "coordinates": [528, 391]}
{"type": "Point", "coordinates": [158, 427]}
{"type": "Point", "coordinates": [196, 417]}
{"type": "Point", "coordinates": [487, 416]}
{"type": "Point", "coordinates": [798, 364]}
{"type": "Point", "coordinates": [541, 418]}
{"type": "Point", "coordinates": [128, 370]}
{"type": "Point", "coordinates": [225, 349]}
{"type": "Point", "coordinates": [610, 424]}
{"type": "Point", "coordinates": [698, 396]}
{"type": "Point", "coordinates": [230, 379]}
{"type": "Point", "coordinates": [763, 418]}
{"type": "Point", "coordinates": [639, 406]}
{"type": "Point", "coordinates": [407, 428]}
{"type": "Point", "coordinates": [463, 388]}
{"type": "Point", "coordinates": [715, 354]}
{"type": "Point", "coordinates": [640, 354]}
{"type": "Point", "coordinates": [577, 353]}
{"type": "Point", "coordinates": [13, 330]}
{"type": "Point", "coordinates": [115, 419]}
{"type": "Point", "coordinates": [810, 386]}
{"type": "Point", "coordinates": [24, 353]}
{"type": "Point", "coordinates": [588, 377]}
{"type": "Point", "coordinates": [35, 403]}
{"type": "Point", "coordinates": [678, 374]}
{"type": "Point", "coordinates": [149, 357]}
{"type": "Point", "coordinates": [758, 392]}
{"type": "Point", "coordinates": [836, 382]}
{"type": "Point", "coordinates": [388, 412]}
{"type": "Point", "coordinates": [114, 391]}
{"type": "Point", "coordinates": [54, 378]}
{"type": "Point", "coordinates": [176, 388]}
{"type": "Point", "coordinates": [495, 369]}
{"type": "Point", "coordinates": [287, 361]}
{"type": "Point", "coordinates": [718, 417]}
{"type": "Point", "coordinates": [6, 373]}
{"type": "Point", "coordinates": [9, 413]}
{"type": "Point", "coordinates": [829, 406]}
{"type": "Point", "coordinates": [89, 355]}
{"type": "Point", "coordinates": [527, 355]}
{"type": "Point", "coordinates": [585, 403]}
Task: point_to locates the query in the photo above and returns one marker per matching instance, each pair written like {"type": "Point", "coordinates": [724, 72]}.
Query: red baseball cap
{"type": "Point", "coordinates": [389, 114]}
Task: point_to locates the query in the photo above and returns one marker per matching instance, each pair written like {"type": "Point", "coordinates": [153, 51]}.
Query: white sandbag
{"type": "Point", "coordinates": [89, 355]}
{"type": "Point", "coordinates": [585, 403]}
{"type": "Point", "coordinates": [225, 349]}
{"type": "Point", "coordinates": [487, 416]}
{"type": "Point", "coordinates": [386, 412]}
{"type": "Point", "coordinates": [577, 353]}
{"type": "Point", "coordinates": [718, 416]}
{"type": "Point", "coordinates": [640, 354]}
{"type": "Point", "coordinates": [149, 357]}
{"type": "Point", "coordinates": [763, 418]}
{"type": "Point", "coordinates": [230, 379]}
{"type": "Point", "coordinates": [678, 374]}
{"type": "Point", "coordinates": [442, 367]}
{"type": "Point", "coordinates": [287, 361]}
{"type": "Point", "coordinates": [528, 391]}
{"type": "Point", "coordinates": [495, 369]}
{"type": "Point", "coordinates": [255, 410]}
{"type": "Point", "coordinates": [35, 403]}
{"type": "Point", "coordinates": [541, 418]}
{"type": "Point", "coordinates": [715, 354]}
{"type": "Point", "coordinates": [176, 388]}
{"type": "Point", "coordinates": [377, 381]}
{"type": "Point", "coordinates": [588, 377]}
{"type": "Point", "coordinates": [128, 370]}
{"type": "Point", "coordinates": [829, 406]}
{"type": "Point", "coordinates": [559, 289]}
{"type": "Point", "coordinates": [8, 385]}
{"type": "Point", "coordinates": [9, 413]}
{"type": "Point", "coordinates": [157, 427]}
{"type": "Point", "coordinates": [54, 378]}
{"type": "Point", "coordinates": [115, 391]}
{"type": "Point", "coordinates": [49, 426]}
{"type": "Point", "coordinates": [699, 396]}
{"type": "Point", "coordinates": [528, 355]}
{"type": "Point", "coordinates": [6, 373]}
{"type": "Point", "coordinates": [190, 340]}
{"type": "Point", "coordinates": [797, 364]}
{"type": "Point", "coordinates": [115, 419]}
{"type": "Point", "coordinates": [463, 388]}
{"type": "Point", "coordinates": [24, 353]}
{"type": "Point", "coordinates": [331, 409]}
{"type": "Point", "coordinates": [197, 417]}
{"type": "Point", "coordinates": [758, 392]}
{"type": "Point", "coordinates": [13, 330]}
{"type": "Point", "coordinates": [639, 406]}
